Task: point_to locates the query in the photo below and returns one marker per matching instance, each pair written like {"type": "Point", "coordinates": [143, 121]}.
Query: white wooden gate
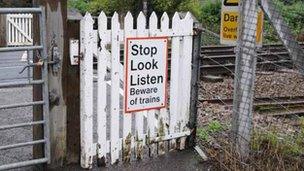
{"type": "Point", "coordinates": [120, 136]}
{"type": "Point", "coordinates": [19, 29]}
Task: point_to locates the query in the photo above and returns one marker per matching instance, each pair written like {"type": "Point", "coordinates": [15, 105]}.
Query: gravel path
{"type": "Point", "coordinates": [11, 116]}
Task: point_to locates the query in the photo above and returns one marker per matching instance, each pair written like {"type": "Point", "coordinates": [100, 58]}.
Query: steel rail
{"type": "Point", "coordinates": [21, 48]}
{"type": "Point", "coordinates": [22, 105]}
{"type": "Point", "coordinates": [21, 125]}
{"type": "Point", "coordinates": [262, 101]}
{"type": "Point", "coordinates": [23, 164]}
{"type": "Point", "coordinates": [20, 10]}
{"type": "Point", "coordinates": [22, 144]}
{"type": "Point", "coordinates": [20, 83]}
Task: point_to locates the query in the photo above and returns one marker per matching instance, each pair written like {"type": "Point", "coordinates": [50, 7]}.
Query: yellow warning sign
{"type": "Point", "coordinates": [229, 23]}
{"type": "Point", "coordinates": [231, 2]}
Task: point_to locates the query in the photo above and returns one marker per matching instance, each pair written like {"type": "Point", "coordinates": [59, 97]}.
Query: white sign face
{"type": "Point", "coordinates": [74, 51]}
{"type": "Point", "coordinates": [146, 73]}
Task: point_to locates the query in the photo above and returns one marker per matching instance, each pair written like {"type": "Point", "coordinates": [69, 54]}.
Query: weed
{"type": "Point", "coordinates": [213, 127]}
{"type": "Point", "coordinates": [202, 134]}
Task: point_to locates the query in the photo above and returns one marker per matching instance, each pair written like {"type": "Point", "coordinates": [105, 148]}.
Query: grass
{"type": "Point", "coordinates": [271, 148]}
{"type": "Point", "coordinates": [288, 144]}
{"type": "Point", "coordinates": [212, 128]}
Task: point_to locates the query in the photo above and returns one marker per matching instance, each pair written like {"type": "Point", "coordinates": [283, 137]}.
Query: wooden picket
{"type": "Point", "coordinates": [102, 90]}
{"type": "Point", "coordinates": [125, 136]}
{"type": "Point", "coordinates": [86, 91]}
{"type": "Point", "coordinates": [19, 29]}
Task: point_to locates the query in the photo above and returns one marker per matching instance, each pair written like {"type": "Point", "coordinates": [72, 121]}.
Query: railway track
{"type": "Point", "coordinates": [269, 106]}
{"type": "Point", "coordinates": [220, 60]}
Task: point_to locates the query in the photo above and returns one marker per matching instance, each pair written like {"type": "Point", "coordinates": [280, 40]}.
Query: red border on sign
{"type": "Point", "coordinates": [126, 71]}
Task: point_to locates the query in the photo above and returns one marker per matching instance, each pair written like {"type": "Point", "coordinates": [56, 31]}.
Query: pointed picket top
{"type": "Point", "coordinates": [188, 16]}
{"type": "Point", "coordinates": [102, 22]}
{"type": "Point", "coordinates": [141, 22]}
{"type": "Point", "coordinates": [176, 20]}
{"type": "Point", "coordinates": [115, 21]}
{"type": "Point", "coordinates": [164, 21]}
{"type": "Point", "coordinates": [88, 18]}
{"type": "Point", "coordinates": [188, 20]}
{"type": "Point", "coordinates": [153, 21]}
{"type": "Point", "coordinates": [128, 21]}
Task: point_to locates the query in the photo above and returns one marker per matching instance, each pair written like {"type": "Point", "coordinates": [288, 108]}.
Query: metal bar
{"type": "Point", "coordinates": [28, 64]}
{"type": "Point", "coordinates": [21, 125]}
{"type": "Point", "coordinates": [22, 105]}
{"type": "Point", "coordinates": [45, 88]}
{"type": "Point", "coordinates": [22, 48]}
{"type": "Point", "coordinates": [21, 144]}
{"type": "Point", "coordinates": [23, 83]}
{"type": "Point", "coordinates": [20, 10]}
{"type": "Point", "coordinates": [23, 164]}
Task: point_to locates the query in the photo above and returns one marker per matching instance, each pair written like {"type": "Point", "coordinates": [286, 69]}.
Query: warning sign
{"type": "Point", "coordinates": [146, 73]}
{"type": "Point", "coordinates": [231, 2]}
{"type": "Point", "coordinates": [229, 23]}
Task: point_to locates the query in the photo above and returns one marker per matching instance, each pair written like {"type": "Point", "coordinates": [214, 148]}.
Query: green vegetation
{"type": "Point", "coordinates": [122, 6]}
{"type": "Point", "coordinates": [211, 15]}
{"type": "Point", "coordinates": [288, 144]}
{"type": "Point", "coordinates": [273, 142]}
{"type": "Point", "coordinates": [293, 13]}
{"type": "Point", "coordinates": [272, 148]}
{"type": "Point", "coordinates": [278, 151]}
{"type": "Point", "coordinates": [212, 128]}
{"type": "Point", "coordinates": [206, 11]}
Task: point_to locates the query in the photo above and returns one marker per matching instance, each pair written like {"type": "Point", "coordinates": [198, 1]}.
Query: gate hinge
{"type": "Point", "coordinates": [55, 60]}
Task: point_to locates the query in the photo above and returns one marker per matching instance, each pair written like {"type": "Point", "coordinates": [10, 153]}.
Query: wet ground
{"type": "Point", "coordinates": [186, 160]}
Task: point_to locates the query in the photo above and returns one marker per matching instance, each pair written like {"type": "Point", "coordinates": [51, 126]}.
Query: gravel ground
{"type": "Point", "coordinates": [268, 84]}
{"type": "Point", "coordinates": [10, 66]}
{"type": "Point", "coordinates": [11, 116]}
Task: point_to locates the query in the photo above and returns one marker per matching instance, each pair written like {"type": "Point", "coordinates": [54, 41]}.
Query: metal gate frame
{"type": "Point", "coordinates": [44, 81]}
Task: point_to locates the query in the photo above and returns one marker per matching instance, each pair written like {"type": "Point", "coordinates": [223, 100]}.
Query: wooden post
{"type": "Point", "coordinates": [56, 30]}
{"type": "Point", "coordinates": [2, 30]}
{"type": "Point", "coordinates": [71, 89]}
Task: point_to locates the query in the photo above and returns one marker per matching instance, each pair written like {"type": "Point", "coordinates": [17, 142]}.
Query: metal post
{"type": "Point", "coordinates": [45, 88]}
{"type": "Point", "coordinates": [244, 76]}
{"type": "Point", "coordinates": [196, 53]}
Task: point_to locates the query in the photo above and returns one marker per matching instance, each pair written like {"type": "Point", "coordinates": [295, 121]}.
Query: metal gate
{"type": "Point", "coordinates": [19, 29]}
{"type": "Point", "coordinates": [106, 130]}
{"type": "Point", "coordinates": [41, 61]}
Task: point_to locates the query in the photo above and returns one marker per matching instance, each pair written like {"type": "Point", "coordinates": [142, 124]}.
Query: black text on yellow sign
{"type": "Point", "coordinates": [229, 25]}
{"type": "Point", "coordinates": [231, 2]}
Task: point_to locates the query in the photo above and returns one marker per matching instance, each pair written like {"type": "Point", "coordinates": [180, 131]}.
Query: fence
{"type": "Point", "coordinates": [126, 136]}
{"type": "Point", "coordinates": [19, 29]}
{"type": "Point", "coordinates": [259, 98]}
